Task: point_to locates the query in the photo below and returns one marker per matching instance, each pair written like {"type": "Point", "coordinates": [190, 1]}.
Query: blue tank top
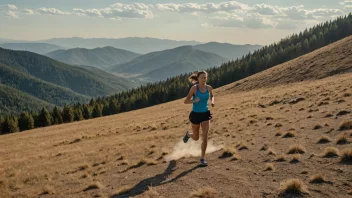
{"type": "Point", "coordinates": [202, 105]}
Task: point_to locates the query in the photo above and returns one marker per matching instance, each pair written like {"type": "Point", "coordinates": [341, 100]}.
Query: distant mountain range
{"type": "Point", "coordinates": [163, 64]}
{"type": "Point", "coordinates": [98, 57]}
{"type": "Point", "coordinates": [53, 82]}
{"type": "Point", "coordinates": [40, 48]}
{"type": "Point", "coordinates": [134, 44]}
{"type": "Point", "coordinates": [227, 50]}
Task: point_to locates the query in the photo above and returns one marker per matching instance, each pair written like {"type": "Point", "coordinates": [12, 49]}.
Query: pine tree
{"type": "Point", "coordinates": [78, 114]}
{"type": "Point", "coordinates": [25, 121]}
{"type": "Point", "coordinates": [44, 118]}
{"type": "Point", "coordinates": [87, 114]}
{"type": "Point", "coordinates": [67, 114]}
{"type": "Point", "coordinates": [10, 125]}
{"type": "Point", "coordinates": [57, 117]}
{"type": "Point", "coordinates": [2, 120]}
{"type": "Point", "coordinates": [97, 111]}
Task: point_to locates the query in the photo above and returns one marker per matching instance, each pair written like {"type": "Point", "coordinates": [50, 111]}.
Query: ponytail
{"type": "Point", "coordinates": [194, 77]}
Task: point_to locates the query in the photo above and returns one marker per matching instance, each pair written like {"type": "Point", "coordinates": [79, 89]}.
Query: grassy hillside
{"type": "Point", "coordinates": [98, 57]}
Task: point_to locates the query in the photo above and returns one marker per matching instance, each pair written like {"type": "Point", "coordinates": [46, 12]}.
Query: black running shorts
{"type": "Point", "coordinates": [199, 117]}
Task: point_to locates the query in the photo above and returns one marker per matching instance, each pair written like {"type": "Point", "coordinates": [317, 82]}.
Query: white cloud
{"type": "Point", "coordinates": [28, 11]}
{"type": "Point", "coordinates": [206, 8]}
{"type": "Point", "coordinates": [11, 7]}
{"type": "Point", "coordinates": [347, 4]}
{"type": "Point", "coordinates": [11, 14]}
{"type": "Point", "coordinates": [51, 11]}
{"type": "Point", "coordinates": [118, 11]}
{"type": "Point", "coordinates": [206, 25]}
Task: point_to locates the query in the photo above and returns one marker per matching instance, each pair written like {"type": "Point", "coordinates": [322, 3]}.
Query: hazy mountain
{"type": "Point", "coordinates": [227, 50]}
{"type": "Point", "coordinates": [167, 63]}
{"type": "Point", "coordinates": [98, 57]}
{"type": "Point", "coordinates": [40, 48]}
{"type": "Point", "coordinates": [134, 44]}
{"type": "Point", "coordinates": [56, 82]}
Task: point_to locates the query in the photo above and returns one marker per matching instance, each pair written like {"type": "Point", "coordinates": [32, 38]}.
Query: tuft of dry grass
{"type": "Point", "coordinates": [243, 146]}
{"type": "Point", "coordinates": [269, 167]}
{"type": "Point", "coordinates": [345, 125]}
{"type": "Point", "coordinates": [48, 190]}
{"type": "Point", "coordinates": [264, 147]}
{"type": "Point", "coordinates": [122, 190]}
{"type": "Point", "coordinates": [151, 193]}
{"type": "Point", "coordinates": [150, 162]}
{"type": "Point", "coordinates": [318, 179]}
{"type": "Point", "coordinates": [271, 152]}
{"type": "Point", "coordinates": [346, 155]}
{"type": "Point", "coordinates": [206, 192]}
{"type": "Point", "coordinates": [96, 185]}
{"type": "Point", "coordinates": [278, 133]}
{"type": "Point", "coordinates": [227, 151]}
{"type": "Point", "coordinates": [292, 187]}
{"type": "Point", "coordinates": [296, 149]}
{"type": "Point", "coordinates": [342, 139]}
{"type": "Point", "coordinates": [235, 157]}
{"type": "Point", "coordinates": [330, 152]}
{"type": "Point", "coordinates": [324, 139]}
{"type": "Point", "coordinates": [349, 192]}
{"type": "Point", "coordinates": [281, 158]}
{"type": "Point", "coordinates": [295, 158]}
{"type": "Point", "coordinates": [316, 127]}
{"type": "Point", "coordinates": [289, 134]}
{"type": "Point", "coordinates": [83, 167]}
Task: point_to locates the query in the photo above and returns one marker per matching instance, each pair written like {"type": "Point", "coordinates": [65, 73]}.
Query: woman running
{"type": "Point", "coordinates": [200, 115]}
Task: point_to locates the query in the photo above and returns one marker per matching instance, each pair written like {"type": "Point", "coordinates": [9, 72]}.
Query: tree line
{"type": "Point", "coordinates": [177, 87]}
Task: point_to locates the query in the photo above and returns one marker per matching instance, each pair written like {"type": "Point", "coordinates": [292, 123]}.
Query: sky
{"type": "Point", "coordinates": [238, 22]}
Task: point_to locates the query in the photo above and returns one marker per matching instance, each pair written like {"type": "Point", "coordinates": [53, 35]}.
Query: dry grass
{"type": "Point", "coordinates": [349, 192]}
{"type": "Point", "coordinates": [295, 158]}
{"type": "Point", "coordinates": [83, 167]}
{"type": "Point", "coordinates": [151, 193]}
{"type": "Point", "coordinates": [122, 190]}
{"type": "Point", "coordinates": [294, 149]}
{"type": "Point", "coordinates": [269, 167]}
{"type": "Point", "coordinates": [264, 147]}
{"type": "Point", "coordinates": [227, 151]}
{"type": "Point", "coordinates": [292, 187]}
{"type": "Point", "coordinates": [342, 139]}
{"type": "Point", "coordinates": [48, 190]}
{"type": "Point", "coordinates": [96, 185]}
{"type": "Point", "coordinates": [206, 192]}
{"type": "Point", "coordinates": [278, 133]}
{"type": "Point", "coordinates": [324, 139]}
{"type": "Point", "coordinates": [281, 158]}
{"type": "Point", "coordinates": [346, 155]}
{"type": "Point", "coordinates": [318, 179]}
{"type": "Point", "coordinates": [271, 152]}
{"type": "Point", "coordinates": [289, 134]}
{"type": "Point", "coordinates": [316, 127]}
{"type": "Point", "coordinates": [243, 146]}
{"type": "Point", "coordinates": [330, 152]}
{"type": "Point", "coordinates": [150, 162]}
{"type": "Point", "coordinates": [345, 125]}
{"type": "Point", "coordinates": [235, 157]}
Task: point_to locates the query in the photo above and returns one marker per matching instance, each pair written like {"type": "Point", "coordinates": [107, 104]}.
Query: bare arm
{"type": "Point", "coordinates": [191, 92]}
{"type": "Point", "coordinates": [211, 96]}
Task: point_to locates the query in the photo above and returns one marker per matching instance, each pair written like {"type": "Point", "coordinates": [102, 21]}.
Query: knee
{"type": "Point", "coordinates": [195, 138]}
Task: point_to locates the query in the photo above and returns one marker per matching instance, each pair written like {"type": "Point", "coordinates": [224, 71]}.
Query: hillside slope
{"type": "Point", "coordinates": [142, 151]}
{"type": "Point", "coordinates": [77, 79]}
{"type": "Point", "coordinates": [330, 60]}
{"type": "Point", "coordinates": [98, 57]}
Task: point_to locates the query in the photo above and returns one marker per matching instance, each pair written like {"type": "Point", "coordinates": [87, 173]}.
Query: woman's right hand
{"type": "Point", "coordinates": [196, 100]}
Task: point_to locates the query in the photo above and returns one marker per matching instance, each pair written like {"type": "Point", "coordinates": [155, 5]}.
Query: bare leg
{"type": "Point", "coordinates": [205, 129]}
{"type": "Point", "coordinates": [195, 130]}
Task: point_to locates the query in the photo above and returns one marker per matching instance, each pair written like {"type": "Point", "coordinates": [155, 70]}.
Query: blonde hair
{"type": "Point", "coordinates": [194, 77]}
